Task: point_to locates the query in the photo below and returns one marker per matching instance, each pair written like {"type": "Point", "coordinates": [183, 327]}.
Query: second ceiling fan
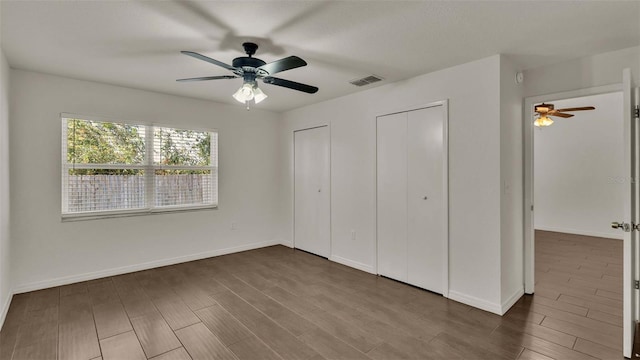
{"type": "Point", "coordinates": [251, 69]}
{"type": "Point", "coordinates": [546, 110]}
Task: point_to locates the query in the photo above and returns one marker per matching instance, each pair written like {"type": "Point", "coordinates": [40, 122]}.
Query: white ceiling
{"type": "Point", "coordinates": [137, 44]}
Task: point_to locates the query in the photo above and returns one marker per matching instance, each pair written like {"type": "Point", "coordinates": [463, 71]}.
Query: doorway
{"type": "Point", "coordinates": [579, 170]}
{"type": "Point", "coordinates": [575, 184]}
{"type": "Point", "coordinates": [312, 191]}
{"type": "Point", "coordinates": [529, 195]}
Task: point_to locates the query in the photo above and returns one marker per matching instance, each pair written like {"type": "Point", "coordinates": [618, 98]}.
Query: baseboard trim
{"type": "Point", "coordinates": [287, 244]}
{"type": "Point", "coordinates": [5, 308]}
{"type": "Point", "coordinates": [507, 304]}
{"type": "Point", "coordinates": [37, 285]}
{"type": "Point", "coordinates": [475, 302]}
{"type": "Point", "coordinates": [354, 264]}
{"type": "Point", "coordinates": [616, 236]}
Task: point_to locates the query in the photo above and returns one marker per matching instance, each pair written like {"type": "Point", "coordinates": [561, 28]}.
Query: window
{"type": "Point", "coordinates": [114, 168]}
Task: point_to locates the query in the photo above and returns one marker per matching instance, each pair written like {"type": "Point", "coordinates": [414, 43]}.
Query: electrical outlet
{"type": "Point", "coordinates": [353, 234]}
{"type": "Point", "coordinates": [234, 226]}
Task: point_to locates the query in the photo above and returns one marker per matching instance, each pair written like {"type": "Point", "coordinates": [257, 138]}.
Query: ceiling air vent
{"type": "Point", "coordinates": [366, 80]}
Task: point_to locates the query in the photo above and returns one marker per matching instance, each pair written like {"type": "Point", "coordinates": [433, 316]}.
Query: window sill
{"type": "Point", "coordinates": [97, 215]}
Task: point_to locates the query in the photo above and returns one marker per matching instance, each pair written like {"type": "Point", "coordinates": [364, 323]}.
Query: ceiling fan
{"type": "Point", "coordinates": [250, 69]}
{"type": "Point", "coordinates": [546, 110]}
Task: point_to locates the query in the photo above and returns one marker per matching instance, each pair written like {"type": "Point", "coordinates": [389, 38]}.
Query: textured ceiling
{"type": "Point", "coordinates": [137, 44]}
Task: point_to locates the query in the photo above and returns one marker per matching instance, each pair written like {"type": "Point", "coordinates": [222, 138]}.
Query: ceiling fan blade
{"type": "Point", "coordinates": [290, 84]}
{"type": "Point", "coordinates": [287, 63]}
{"type": "Point", "coordinates": [204, 78]}
{"type": "Point", "coordinates": [209, 60]}
{"type": "Point", "coordinates": [557, 113]}
{"type": "Point", "coordinates": [577, 108]}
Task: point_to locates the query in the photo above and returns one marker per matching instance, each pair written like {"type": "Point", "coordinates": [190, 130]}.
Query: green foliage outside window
{"type": "Point", "coordinates": [93, 142]}
{"type": "Point", "coordinates": [182, 147]}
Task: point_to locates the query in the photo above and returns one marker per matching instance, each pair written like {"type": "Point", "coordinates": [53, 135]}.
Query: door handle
{"type": "Point", "coordinates": [626, 227]}
{"type": "Point", "coordinates": [620, 225]}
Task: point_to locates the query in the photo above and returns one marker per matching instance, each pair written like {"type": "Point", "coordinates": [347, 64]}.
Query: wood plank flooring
{"type": "Point", "coordinates": [279, 303]}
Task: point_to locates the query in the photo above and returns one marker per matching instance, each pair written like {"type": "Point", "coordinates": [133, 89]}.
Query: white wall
{"type": "Point", "coordinates": [473, 91]}
{"type": "Point", "coordinates": [582, 73]}
{"type": "Point", "coordinates": [511, 198]}
{"type": "Point", "coordinates": [48, 252]}
{"type": "Point", "coordinates": [578, 169]}
{"type": "Point", "coordinates": [5, 245]}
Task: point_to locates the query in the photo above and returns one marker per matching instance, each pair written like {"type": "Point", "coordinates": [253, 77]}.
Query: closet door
{"type": "Point", "coordinates": [312, 191]}
{"type": "Point", "coordinates": [427, 220]}
{"type": "Point", "coordinates": [392, 195]}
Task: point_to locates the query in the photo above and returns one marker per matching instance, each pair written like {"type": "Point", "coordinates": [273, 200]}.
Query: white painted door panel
{"type": "Point", "coordinates": [392, 195]}
{"type": "Point", "coordinates": [312, 191]}
{"type": "Point", "coordinates": [426, 199]}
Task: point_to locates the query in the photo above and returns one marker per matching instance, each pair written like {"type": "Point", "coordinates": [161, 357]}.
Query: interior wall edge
{"type": "Point", "coordinates": [481, 304]}
{"type": "Point", "coordinates": [511, 181]}
{"type": "Point", "coordinates": [6, 259]}
{"type": "Point", "coordinates": [511, 300]}
{"type": "Point", "coordinates": [44, 284]}
{"type": "Point", "coordinates": [5, 308]}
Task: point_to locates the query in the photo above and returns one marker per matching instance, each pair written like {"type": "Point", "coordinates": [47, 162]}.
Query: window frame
{"type": "Point", "coordinates": [148, 167]}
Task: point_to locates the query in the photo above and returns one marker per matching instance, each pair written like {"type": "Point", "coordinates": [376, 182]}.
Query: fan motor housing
{"type": "Point", "coordinates": [245, 61]}
{"type": "Point", "coordinates": [544, 107]}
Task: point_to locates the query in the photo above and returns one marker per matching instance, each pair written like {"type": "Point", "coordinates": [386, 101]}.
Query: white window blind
{"type": "Point", "coordinates": [112, 168]}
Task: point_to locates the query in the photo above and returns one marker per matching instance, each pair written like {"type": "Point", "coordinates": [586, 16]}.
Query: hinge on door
{"type": "Point", "coordinates": [637, 112]}
{"type": "Point", "coordinates": [637, 283]}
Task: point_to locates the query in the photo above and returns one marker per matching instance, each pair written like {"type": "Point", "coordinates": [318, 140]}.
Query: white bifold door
{"type": "Point", "coordinates": [412, 200]}
{"type": "Point", "coordinates": [312, 191]}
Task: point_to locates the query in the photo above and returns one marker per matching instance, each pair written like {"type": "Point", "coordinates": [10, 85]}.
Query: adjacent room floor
{"type": "Point", "coordinates": [278, 303]}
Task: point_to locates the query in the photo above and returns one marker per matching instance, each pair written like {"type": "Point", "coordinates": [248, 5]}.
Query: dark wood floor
{"type": "Point", "coordinates": [277, 303]}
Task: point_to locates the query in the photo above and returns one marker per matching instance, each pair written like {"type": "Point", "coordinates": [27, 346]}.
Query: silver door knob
{"type": "Point", "coordinates": [620, 225]}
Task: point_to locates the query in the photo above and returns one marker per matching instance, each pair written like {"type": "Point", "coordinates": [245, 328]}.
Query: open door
{"type": "Point", "coordinates": [631, 223]}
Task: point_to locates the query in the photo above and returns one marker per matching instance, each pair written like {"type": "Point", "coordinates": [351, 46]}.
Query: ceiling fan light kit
{"type": "Point", "coordinates": [251, 69]}
{"type": "Point", "coordinates": [248, 92]}
{"type": "Point", "coordinates": [543, 121]}
{"type": "Point", "coordinates": [546, 110]}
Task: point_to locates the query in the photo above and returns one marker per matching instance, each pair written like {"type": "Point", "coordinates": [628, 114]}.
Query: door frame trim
{"type": "Point", "coordinates": [528, 114]}
{"type": "Point", "coordinates": [293, 176]}
{"type": "Point", "coordinates": [445, 184]}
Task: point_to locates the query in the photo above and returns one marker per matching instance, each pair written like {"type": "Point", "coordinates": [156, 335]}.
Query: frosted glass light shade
{"type": "Point", "coordinates": [543, 121]}
{"type": "Point", "coordinates": [258, 95]}
{"type": "Point", "coordinates": [244, 94]}
{"type": "Point", "coordinates": [248, 92]}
